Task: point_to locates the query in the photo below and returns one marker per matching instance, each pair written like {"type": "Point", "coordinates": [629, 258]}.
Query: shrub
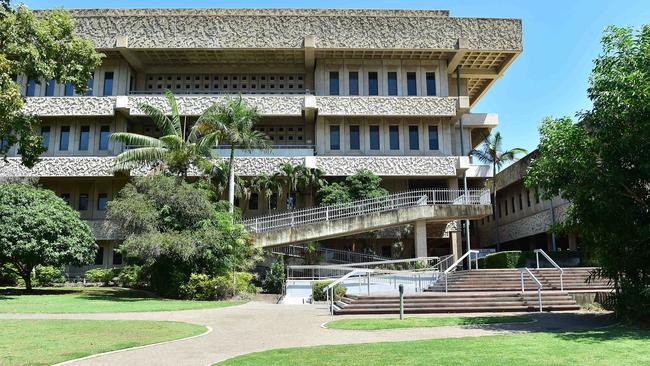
{"type": "Point", "coordinates": [8, 277]}
{"type": "Point", "coordinates": [101, 275]}
{"type": "Point", "coordinates": [275, 278]}
{"type": "Point", "coordinates": [131, 276]}
{"type": "Point", "coordinates": [46, 276]}
{"type": "Point", "coordinates": [204, 287]}
{"type": "Point", "coordinates": [199, 287]}
{"type": "Point", "coordinates": [518, 259]}
{"type": "Point", "coordinates": [319, 295]}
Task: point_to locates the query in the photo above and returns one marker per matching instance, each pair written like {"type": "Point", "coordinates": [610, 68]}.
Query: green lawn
{"type": "Point", "coordinates": [45, 342]}
{"type": "Point", "coordinates": [421, 322]}
{"type": "Point", "coordinates": [606, 347]}
{"type": "Point", "coordinates": [95, 300]}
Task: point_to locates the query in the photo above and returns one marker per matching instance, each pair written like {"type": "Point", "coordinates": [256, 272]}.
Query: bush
{"type": "Point", "coordinates": [105, 276]}
{"type": "Point", "coordinates": [506, 259]}
{"type": "Point", "coordinates": [519, 259]}
{"type": "Point", "coordinates": [319, 295]}
{"type": "Point", "coordinates": [7, 277]}
{"type": "Point", "coordinates": [275, 278]}
{"type": "Point", "coordinates": [199, 287]}
{"type": "Point", "coordinates": [131, 276]}
{"type": "Point", "coordinates": [48, 276]}
{"type": "Point", "coordinates": [204, 287]}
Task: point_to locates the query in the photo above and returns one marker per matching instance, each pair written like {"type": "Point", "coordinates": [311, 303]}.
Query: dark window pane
{"type": "Point", "coordinates": [354, 83]}
{"type": "Point", "coordinates": [392, 83]}
{"type": "Point", "coordinates": [334, 83]}
{"type": "Point", "coordinates": [374, 137]}
{"type": "Point", "coordinates": [66, 197]}
{"type": "Point", "coordinates": [355, 140]}
{"type": "Point", "coordinates": [64, 139]}
{"type": "Point", "coordinates": [505, 203]}
{"type": "Point", "coordinates": [45, 134]}
{"type": "Point", "coordinates": [102, 198]}
{"type": "Point", "coordinates": [414, 138]}
{"type": "Point", "coordinates": [411, 84]}
{"type": "Point", "coordinates": [84, 137]}
{"type": "Point", "coordinates": [521, 203]}
{"type": "Point", "coordinates": [273, 201]}
{"type": "Point", "coordinates": [31, 88]}
{"type": "Point", "coordinates": [83, 202]}
{"type": "Point", "coordinates": [335, 137]}
{"type": "Point", "coordinates": [253, 202]}
{"type": "Point", "coordinates": [373, 83]}
{"type": "Point", "coordinates": [99, 257]}
{"type": "Point", "coordinates": [117, 257]}
{"type": "Point", "coordinates": [104, 133]}
{"type": "Point", "coordinates": [433, 138]}
{"type": "Point", "coordinates": [528, 197]}
{"type": "Point", "coordinates": [69, 89]}
{"type": "Point", "coordinates": [512, 200]}
{"type": "Point", "coordinates": [431, 83]}
{"type": "Point", "coordinates": [108, 83]}
{"type": "Point", "coordinates": [393, 134]}
{"type": "Point", "coordinates": [49, 89]}
{"type": "Point", "coordinates": [90, 83]}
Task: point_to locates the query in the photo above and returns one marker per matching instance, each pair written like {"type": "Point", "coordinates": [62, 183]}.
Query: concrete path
{"type": "Point", "coordinates": [258, 326]}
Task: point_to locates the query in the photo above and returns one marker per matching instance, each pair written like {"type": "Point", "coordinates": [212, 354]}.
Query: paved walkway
{"type": "Point", "coordinates": [257, 326]}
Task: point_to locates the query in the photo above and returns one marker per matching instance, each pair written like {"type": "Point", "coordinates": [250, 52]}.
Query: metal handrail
{"type": "Point", "coordinates": [537, 251]}
{"type": "Point", "coordinates": [539, 284]}
{"type": "Point", "coordinates": [393, 261]}
{"type": "Point", "coordinates": [335, 255]}
{"type": "Point", "coordinates": [371, 205]}
{"type": "Point", "coordinates": [331, 286]}
{"type": "Point", "coordinates": [455, 264]}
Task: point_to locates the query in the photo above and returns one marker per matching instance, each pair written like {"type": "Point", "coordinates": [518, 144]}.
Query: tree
{"type": "Point", "coordinates": [333, 194]}
{"type": "Point", "coordinates": [293, 179]}
{"type": "Point", "coordinates": [363, 184]}
{"type": "Point", "coordinates": [491, 152]}
{"type": "Point", "coordinates": [268, 184]}
{"type": "Point", "coordinates": [176, 150]}
{"type": "Point", "coordinates": [39, 228]}
{"type": "Point", "coordinates": [43, 47]}
{"type": "Point", "coordinates": [232, 121]}
{"type": "Point", "coordinates": [600, 165]}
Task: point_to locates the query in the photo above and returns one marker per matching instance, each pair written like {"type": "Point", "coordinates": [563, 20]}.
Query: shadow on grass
{"type": "Point", "coordinates": [555, 322]}
{"type": "Point", "coordinates": [616, 333]}
{"type": "Point", "coordinates": [36, 291]}
{"type": "Point", "coordinates": [86, 293]}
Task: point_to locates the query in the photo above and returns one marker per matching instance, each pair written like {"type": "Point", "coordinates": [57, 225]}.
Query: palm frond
{"type": "Point", "coordinates": [175, 116]}
{"type": "Point", "coordinates": [159, 119]}
{"type": "Point", "coordinates": [135, 139]}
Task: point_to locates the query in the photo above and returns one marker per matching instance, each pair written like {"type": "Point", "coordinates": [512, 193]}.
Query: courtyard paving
{"type": "Point", "coordinates": [259, 326]}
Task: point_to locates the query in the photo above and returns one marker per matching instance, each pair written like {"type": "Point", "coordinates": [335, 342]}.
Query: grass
{"type": "Point", "coordinates": [95, 300]}
{"type": "Point", "coordinates": [602, 347]}
{"type": "Point", "coordinates": [45, 342]}
{"type": "Point", "coordinates": [421, 322]}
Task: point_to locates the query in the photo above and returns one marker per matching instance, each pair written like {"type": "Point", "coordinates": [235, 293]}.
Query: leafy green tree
{"type": "Point", "coordinates": [43, 47]}
{"type": "Point", "coordinates": [232, 121]}
{"type": "Point", "coordinates": [175, 151]}
{"type": "Point", "coordinates": [333, 193]}
{"type": "Point", "coordinates": [268, 184]}
{"type": "Point", "coordinates": [365, 184]}
{"type": "Point", "coordinates": [275, 278]}
{"type": "Point", "coordinates": [491, 152]}
{"type": "Point", "coordinates": [600, 165]}
{"type": "Point", "coordinates": [37, 228]}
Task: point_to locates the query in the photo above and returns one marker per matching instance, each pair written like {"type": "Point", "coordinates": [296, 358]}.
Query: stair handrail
{"type": "Point", "coordinates": [457, 262]}
{"type": "Point", "coordinates": [537, 282]}
{"type": "Point", "coordinates": [331, 286]}
{"type": "Point", "coordinates": [548, 258]}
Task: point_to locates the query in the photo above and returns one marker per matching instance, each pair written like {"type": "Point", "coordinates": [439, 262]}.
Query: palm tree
{"type": "Point", "coordinates": [293, 178]}
{"type": "Point", "coordinates": [491, 152]}
{"type": "Point", "coordinates": [174, 150]}
{"type": "Point", "coordinates": [313, 179]}
{"type": "Point", "coordinates": [217, 176]}
{"type": "Point", "coordinates": [268, 185]}
{"type": "Point", "coordinates": [231, 121]}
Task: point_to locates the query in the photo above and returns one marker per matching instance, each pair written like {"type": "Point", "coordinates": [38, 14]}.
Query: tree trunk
{"type": "Point", "coordinates": [494, 205]}
{"type": "Point", "coordinates": [231, 179]}
{"type": "Point", "coordinates": [28, 280]}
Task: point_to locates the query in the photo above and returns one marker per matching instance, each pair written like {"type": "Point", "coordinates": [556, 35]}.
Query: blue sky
{"type": "Point", "coordinates": [561, 38]}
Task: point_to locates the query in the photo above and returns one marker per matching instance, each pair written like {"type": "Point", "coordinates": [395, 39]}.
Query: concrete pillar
{"type": "Point", "coordinates": [573, 242]}
{"type": "Point", "coordinates": [420, 238]}
{"type": "Point", "coordinates": [456, 244]}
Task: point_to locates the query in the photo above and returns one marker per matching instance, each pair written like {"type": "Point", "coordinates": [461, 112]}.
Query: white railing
{"type": "Point", "coordinates": [367, 206]}
{"type": "Point", "coordinates": [453, 267]}
{"type": "Point", "coordinates": [527, 271]}
{"type": "Point", "coordinates": [329, 255]}
{"type": "Point", "coordinates": [537, 252]}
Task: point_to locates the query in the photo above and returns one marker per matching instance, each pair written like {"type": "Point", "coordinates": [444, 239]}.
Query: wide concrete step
{"type": "Point", "coordinates": [458, 309]}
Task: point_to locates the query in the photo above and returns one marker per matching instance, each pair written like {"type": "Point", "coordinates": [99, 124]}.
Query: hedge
{"type": "Point", "coordinates": [519, 259]}
{"type": "Point", "coordinates": [319, 295]}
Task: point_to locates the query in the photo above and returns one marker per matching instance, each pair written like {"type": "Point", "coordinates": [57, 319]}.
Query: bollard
{"type": "Point", "coordinates": [401, 302]}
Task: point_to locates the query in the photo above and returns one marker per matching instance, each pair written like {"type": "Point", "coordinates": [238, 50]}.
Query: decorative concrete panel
{"type": "Point", "coordinates": [389, 165]}
{"type": "Point", "coordinates": [70, 106]}
{"type": "Point", "coordinates": [59, 167]}
{"type": "Point", "coordinates": [272, 29]}
{"type": "Point", "coordinates": [386, 106]}
{"type": "Point", "coordinates": [280, 105]}
{"type": "Point", "coordinates": [104, 230]}
{"type": "Point", "coordinates": [530, 225]}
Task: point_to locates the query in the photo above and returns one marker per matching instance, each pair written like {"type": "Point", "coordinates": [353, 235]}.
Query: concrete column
{"type": "Point", "coordinates": [420, 238]}
{"type": "Point", "coordinates": [456, 244]}
{"type": "Point", "coordinates": [573, 242]}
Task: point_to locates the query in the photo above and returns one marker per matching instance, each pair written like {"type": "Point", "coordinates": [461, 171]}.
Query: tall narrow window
{"type": "Point", "coordinates": [499, 209]}
{"type": "Point", "coordinates": [45, 135]}
{"type": "Point", "coordinates": [431, 83]}
{"type": "Point", "coordinates": [528, 197]}
{"type": "Point", "coordinates": [49, 89]}
{"type": "Point", "coordinates": [521, 203]}
{"type": "Point", "coordinates": [392, 83]}
{"type": "Point", "coordinates": [84, 137]}
{"type": "Point", "coordinates": [433, 138]}
{"type": "Point", "coordinates": [104, 133]}
{"type": "Point", "coordinates": [512, 200]}
{"type": "Point", "coordinates": [91, 82]}
{"type": "Point", "coordinates": [273, 201]}
{"type": "Point", "coordinates": [411, 84]}
{"type": "Point", "coordinates": [253, 202]}
{"type": "Point", "coordinates": [31, 88]}
{"type": "Point", "coordinates": [355, 141]}
{"type": "Point", "coordinates": [354, 83]}
{"type": "Point", "coordinates": [83, 202]}
{"type": "Point", "coordinates": [505, 203]}
{"type": "Point", "coordinates": [414, 138]}
{"type": "Point", "coordinates": [64, 138]}
{"type": "Point", "coordinates": [68, 90]}
{"type": "Point", "coordinates": [99, 256]}
{"type": "Point", "coordinates": [393, 134]}
{"type": "Point", "coordinates": [108, 83]}
{"type": "Point", "coordinates": [102, 199]}
{"type": "Point", "coordinates": [536, 195]}
{"type": "Point", "coordinates": [373, 83]}
{"type": "Point", "coordinates": [374, 137]}
{"type": "Point", "coordinates": [334, 83]}
{"type": "Point", "coordinates": [335, 138]}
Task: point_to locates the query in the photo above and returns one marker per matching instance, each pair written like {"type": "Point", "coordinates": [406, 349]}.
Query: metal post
{"type": "Point", "coordinates": [359, 276]}
{"type": "Point", "coordinates": [561, 281]}
{"type": "Point", "coordinates": [553, 244]}
{"type": "Point", "coordinates": [446, 283]}
{"type": "Point", "coordinates": [327, 213]}
{"type": "Point", "coordinates": [523, 289]}
{"type": "Point", "coordinates": [368, 283]}
{"type": "Point", "coordinates": [539, 296]}
{"type": "Point", "coordinates": [401, 302]}
{"type": "Point", "coordinates": [537, 258]}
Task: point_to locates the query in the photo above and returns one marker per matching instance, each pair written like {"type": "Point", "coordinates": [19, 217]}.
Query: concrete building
{"type": "Point", "coordinates": [524, 217]}
{"type": "Point", "coordinates": [340, 90]}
